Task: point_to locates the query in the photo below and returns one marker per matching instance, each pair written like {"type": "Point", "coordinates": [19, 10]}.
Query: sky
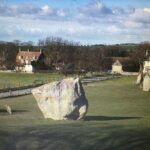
{"type": "Point", "coordinates": [83, 21]}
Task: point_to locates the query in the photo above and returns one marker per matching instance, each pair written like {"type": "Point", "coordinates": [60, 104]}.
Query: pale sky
{"type": "Point", "coordinates": [84, 21]}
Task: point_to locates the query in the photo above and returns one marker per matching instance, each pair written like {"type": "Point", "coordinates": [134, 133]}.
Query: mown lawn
{"type": "Point", "coordinates": [118, 119]}
{"type": "Point", "coordinates": [22, 79]}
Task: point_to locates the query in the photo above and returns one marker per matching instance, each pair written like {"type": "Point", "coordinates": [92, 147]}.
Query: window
{"type": "Point", "coordinates": [20, 57]}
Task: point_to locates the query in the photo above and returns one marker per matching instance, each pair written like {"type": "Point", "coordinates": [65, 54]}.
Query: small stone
{"type": "Point", "coordinates": [8, 109]}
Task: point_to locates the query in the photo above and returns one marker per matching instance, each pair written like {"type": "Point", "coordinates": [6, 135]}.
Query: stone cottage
{"type": "Point", "coordinates": [24, 60]}
{"type": "Point", "coordinates": [117, 67]}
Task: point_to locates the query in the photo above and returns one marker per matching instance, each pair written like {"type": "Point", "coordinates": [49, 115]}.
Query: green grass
{"type": "Point", "coordinates": [118, 119]}
{"type": "Point", "coordinates": [22, 79]}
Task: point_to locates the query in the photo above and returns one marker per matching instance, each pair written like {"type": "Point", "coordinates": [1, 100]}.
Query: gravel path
{"type": "Point", "coordinates": [20, 92]}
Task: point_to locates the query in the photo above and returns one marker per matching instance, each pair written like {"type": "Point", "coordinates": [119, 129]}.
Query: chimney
{"type": "Point", "coordinates": [19, 49]}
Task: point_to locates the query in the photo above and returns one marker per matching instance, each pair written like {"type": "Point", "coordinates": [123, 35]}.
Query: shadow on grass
{"type": "Point", "coordinates": [76, 137]}
{"type": "Point", "coordinates": [107, 118]}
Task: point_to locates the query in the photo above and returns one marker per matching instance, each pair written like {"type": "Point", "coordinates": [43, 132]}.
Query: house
{"type": "Point", "coordinates": [124, 65]}
{"type": "Point", "coordinates": [59, 66]}
{"type": "Point", "coordinates": [117, 67]}
{"type": "Point", "coordinates": [24, 60]}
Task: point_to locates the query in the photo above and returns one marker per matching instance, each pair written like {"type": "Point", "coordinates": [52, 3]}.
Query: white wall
{"type": "Point", "coordinates": [28, 68]}
{"type": "Point", "coordinates": [117, 69]}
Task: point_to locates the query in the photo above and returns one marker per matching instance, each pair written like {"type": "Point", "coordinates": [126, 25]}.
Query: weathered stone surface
{"type": "Point", "coordinates": [146, 83]}
{"type": "Point", "coordinates": [62, 100]}
{"type": "Point", "coordinates": [139, 78]}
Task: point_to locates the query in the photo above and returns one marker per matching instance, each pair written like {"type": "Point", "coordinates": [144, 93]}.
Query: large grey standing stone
{"type": "Point", "coordinates": [146, 83]}
{"type": "Point", "coordinates": [62, 100]}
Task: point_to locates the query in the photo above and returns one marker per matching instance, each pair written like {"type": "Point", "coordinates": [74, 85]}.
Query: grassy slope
{"type": "Point", "coordinates": [118, 118]}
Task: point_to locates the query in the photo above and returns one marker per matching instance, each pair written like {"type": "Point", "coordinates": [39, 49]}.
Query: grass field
{"type": "Point", "coordinates": [21, 79]}
{"type": "Point", "coordinates": [118, 119]}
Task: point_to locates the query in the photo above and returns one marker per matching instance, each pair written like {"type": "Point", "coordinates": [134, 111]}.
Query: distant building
{"type": "Point", "coordinates": [124, 65]}
{"type": "Point", "coordinates": [24, 60]}
{"type": "Point", "coordinates": [59, 66]}
{"type": "Point", "coordinates": [117, 67]}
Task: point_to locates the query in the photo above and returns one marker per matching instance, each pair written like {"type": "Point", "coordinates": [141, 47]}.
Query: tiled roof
{"type": "Point", "coordinates": [29, 54]}
{"type": "Point", "coordinates": [117, 63]}
{"type": "Point", "coordinates": [24, 57]}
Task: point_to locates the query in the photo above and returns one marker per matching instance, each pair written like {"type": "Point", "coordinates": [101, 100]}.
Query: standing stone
{"type": "Point", "coordinates": [146, 83]}
{"type": "Point", "coordinates": [139, 78]}
{"type": "Point", "coordinates": [62, 100]}
{"type": "Point", "coordinates": [8, 109]}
